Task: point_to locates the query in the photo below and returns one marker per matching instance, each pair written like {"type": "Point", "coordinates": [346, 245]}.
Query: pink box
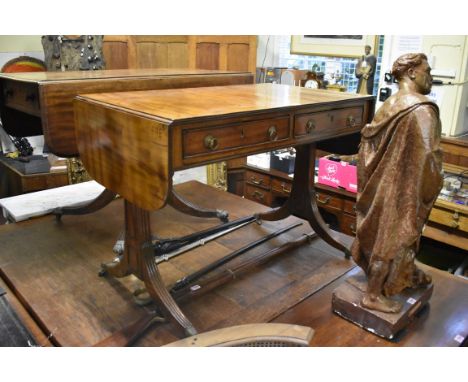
{"type": "Point", "coordinates": [337, 174]}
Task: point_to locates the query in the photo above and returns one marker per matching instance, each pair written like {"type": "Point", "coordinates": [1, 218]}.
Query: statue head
{"type": "Point", "coordinates": [367, 49]}
{"type": "Point", "coordinates": [413, 70]}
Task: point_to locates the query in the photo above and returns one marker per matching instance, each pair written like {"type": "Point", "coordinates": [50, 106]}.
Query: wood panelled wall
{"type": "Point", "coordinates": [237, 53]}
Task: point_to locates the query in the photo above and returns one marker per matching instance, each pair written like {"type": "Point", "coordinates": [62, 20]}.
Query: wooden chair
{"type": "Point", "coordinates": [256, 335]}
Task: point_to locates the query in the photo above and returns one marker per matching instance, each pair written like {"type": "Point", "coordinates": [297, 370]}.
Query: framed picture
{"type": "Point", "coordinates": [332, 45]}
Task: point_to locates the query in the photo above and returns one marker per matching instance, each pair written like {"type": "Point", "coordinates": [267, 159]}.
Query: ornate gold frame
{"type": "Point", "coordinates": [216, 175]}
{"type": "Point", "coordinates": [339, 50]}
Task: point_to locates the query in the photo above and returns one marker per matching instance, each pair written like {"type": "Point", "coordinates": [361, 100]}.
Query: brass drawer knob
{"type": "Point", "coordinates": [211, 142]}
{"type": "Point", "coordinates": [455, 222]}
{"type": "Point", "coordinates": [285, 189]}
{"type": "Point", "coordinates": [255, 181]}
{"type": "Point", "coordinates": [322, 201]}
{"type": "Point", "coordinates": [273, 133]}
{"type": "Point", "coordinates": [351, 121]}
{"type": "Point", "coordinates": [310, 126]}
{"type": "Point", "coordinates": [258, 195]}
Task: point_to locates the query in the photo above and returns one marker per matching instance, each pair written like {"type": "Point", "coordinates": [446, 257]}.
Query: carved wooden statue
{"type": "Point", "coordinates": [365, 72]}
{"type": "Point", "coordinates": [399, 178]}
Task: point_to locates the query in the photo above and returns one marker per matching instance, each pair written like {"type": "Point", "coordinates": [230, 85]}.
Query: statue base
{"type": "Point", "coordinates": [346, 303]}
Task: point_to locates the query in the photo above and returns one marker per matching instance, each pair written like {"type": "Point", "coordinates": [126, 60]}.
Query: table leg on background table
{"type": "Point", "coordinates": [102, 200]}
{"type": "Point", "coordinates": [303, 201]}
{"type": "Point", "coordinates": [184, 206]}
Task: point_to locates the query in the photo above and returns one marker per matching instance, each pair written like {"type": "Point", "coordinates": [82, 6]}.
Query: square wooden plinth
{"type": "Point", "coordinates": [346, 303]}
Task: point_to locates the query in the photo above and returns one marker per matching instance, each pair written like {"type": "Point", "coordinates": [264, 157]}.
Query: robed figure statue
{"type": "Point", "coordinates": [399, 179]}
{"type": "Point", "coordinates": [365, 72]}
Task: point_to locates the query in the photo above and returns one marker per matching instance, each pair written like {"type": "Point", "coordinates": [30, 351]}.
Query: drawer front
{"type": "Point", "coordinates": [316, 123]}
{"type": "Point", "coordinates": [258, 179]}
{"type": "Point", "coordinates": [450, 218]}
{"type": "Point", "coordinates": [225, 137]}
{"type": "Point", "coordinates": [348, 224]}
{"type": "Point", "coordinates": [328, 201]}
{"type": "Point", "coordinates": [258, 194]}
{"type": "Point", "coordinates": [22, 96]}
{"type": "Point", "coordinates": [349, 206]}
{"type": "Point", "coordinates": [280, 187]}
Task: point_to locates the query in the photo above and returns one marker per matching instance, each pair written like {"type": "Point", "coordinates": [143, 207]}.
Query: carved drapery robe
{"type": "Point", "coordinates": [399, 178]}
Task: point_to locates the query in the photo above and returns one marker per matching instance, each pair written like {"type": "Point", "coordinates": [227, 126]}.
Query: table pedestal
{"type": "Point", "coordinates": [138, 257]}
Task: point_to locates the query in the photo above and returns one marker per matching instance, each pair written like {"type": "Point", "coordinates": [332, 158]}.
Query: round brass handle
{"type": "Point", "coordinates": [310, 126]}
{"type": "Point", "coordinates": [273, 133]}
{"type": "Point", "coordinates": [351, 121]}
{"type": "Point", "coordinates": [211, 142]}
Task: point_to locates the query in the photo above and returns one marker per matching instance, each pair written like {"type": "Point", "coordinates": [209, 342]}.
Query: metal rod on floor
{"type": "Point", "coordinates": [210, 267]}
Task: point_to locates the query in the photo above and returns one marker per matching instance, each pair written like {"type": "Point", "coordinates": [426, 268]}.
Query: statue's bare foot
{"type": "Point", "coordinates": [420, 278]}
{"type": "Point", "coordinates": [381, 303]}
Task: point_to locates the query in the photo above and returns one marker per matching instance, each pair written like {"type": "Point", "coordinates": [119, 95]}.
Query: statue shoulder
{"type": "Point", "coordinates": [400, 102]}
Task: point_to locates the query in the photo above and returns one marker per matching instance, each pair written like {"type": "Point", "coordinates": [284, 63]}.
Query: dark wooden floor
{"type": "Point", "coordinates": [51, 269]}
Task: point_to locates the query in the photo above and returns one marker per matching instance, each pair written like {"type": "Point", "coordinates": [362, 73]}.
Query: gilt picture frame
{"type": "Point", "coordinates": [348, 46]}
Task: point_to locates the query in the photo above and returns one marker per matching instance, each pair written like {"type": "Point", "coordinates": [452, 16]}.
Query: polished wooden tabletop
{"type": "Point", "coordinates": [180, 104]}
{"type": "Point", "coordinates": [107, 74]}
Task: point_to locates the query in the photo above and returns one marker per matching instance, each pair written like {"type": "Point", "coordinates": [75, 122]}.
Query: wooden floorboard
{"type": "Point", "coordinates": [50, 269]}
{"type": "Point", "coordinates": [52, 266]}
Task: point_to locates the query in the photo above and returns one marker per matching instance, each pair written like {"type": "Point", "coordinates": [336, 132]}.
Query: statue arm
{"type": "Point", "coordinates": [358, 71]}
{"type": "Point", "coordinates": [372, 63]}
{"type": "Point", "coordinates": [427, 124]}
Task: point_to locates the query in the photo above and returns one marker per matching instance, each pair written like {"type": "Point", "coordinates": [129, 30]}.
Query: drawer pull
{"type": "Point", "coordinates": [455, 222]}
{"type": "Point", "coordinates": [322, 201]}
{"type": "Point", "coordinates": [211, 142]}
{"type": "Point", "coordinates": [310, 126]}
{"type": "Point", "coordinates": [258, 195]}
{"type": "Point", "coordinates": [273, 133]}
{"type": "Point", "coordinates": [9, 93]}
{"type": "Point", "coordinates": [31, 97]}
{"type": "Point", "coordinates": [255, 181]}
{"type": "Point", "coordinates": [351, 121]}
{"type": "Point", "coordinates": [285, 189]}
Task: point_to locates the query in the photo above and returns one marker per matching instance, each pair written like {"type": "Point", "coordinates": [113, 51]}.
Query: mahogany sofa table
{"type": "Point", "coordinates": [132, 142]}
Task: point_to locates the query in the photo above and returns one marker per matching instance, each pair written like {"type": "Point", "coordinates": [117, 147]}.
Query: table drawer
{"type": "Point", "coordinates": [22, 96]}
{"type": "Point", "coordinates": [258, 179]}
{"type": "Point", "coordinates": [280, 187]}
{"type": "Point", "coordinates": [348, 224]}
{"type": "Point", "coordinates": [225, 137]}
{"type": "Point", "coordinates": [328, 201]}
{"type": "Point", "coordinates": [258, 194]}
{"type": "Point", "coordinates": [349, 206]}
{"type": "Point", "coordinates": [312, 123]}
{"type": "Point", "coordinates": [450, 218]}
